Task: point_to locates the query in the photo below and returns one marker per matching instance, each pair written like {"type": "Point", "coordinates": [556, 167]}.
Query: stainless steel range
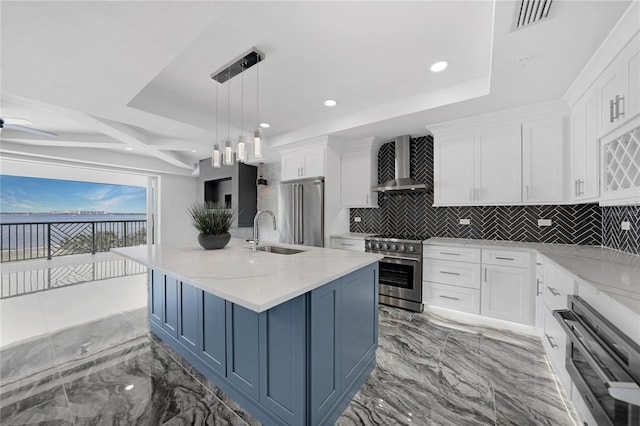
{"type": "Point", "coordinates": [400, 277]}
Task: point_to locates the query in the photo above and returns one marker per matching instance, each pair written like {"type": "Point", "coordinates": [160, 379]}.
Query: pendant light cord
{"type": "Point", "coordinates": [229, 106]}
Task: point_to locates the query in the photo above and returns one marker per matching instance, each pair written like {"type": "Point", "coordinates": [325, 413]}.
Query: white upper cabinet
{"type": "Point", "coordinates": [497, 172]}
{"type": "Point", "coordinates": [303, 163]}
{"type": "Point", "coordinates": [542, 171]}
{"type": "Point", "coordinates": [584, 149]}
{"type": "Point", "coordinates": [482, 166]}
{"type": "Point", "coordinates": [618, 89]}
{"type": "Point", "coordinates": [517, 160]}
{"type": "Point", "coordinates": [359, 173]}
{"type": "Point", "coordinates": [453, 169]}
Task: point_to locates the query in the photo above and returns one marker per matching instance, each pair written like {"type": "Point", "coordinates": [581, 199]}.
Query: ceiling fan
{"type": "Point", "coordinates": [11, 123]}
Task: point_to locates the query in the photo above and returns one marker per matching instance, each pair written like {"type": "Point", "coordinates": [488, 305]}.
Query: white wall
{"type": "Point", "coordinates": [175, 194]}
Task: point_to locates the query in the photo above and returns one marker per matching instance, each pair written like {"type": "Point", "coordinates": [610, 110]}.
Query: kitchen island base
{"type": "Point", "coordinates": [298, 363]}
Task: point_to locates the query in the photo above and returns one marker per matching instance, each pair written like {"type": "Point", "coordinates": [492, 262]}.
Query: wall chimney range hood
{"type": "Point", "coordinates": [402, 181]}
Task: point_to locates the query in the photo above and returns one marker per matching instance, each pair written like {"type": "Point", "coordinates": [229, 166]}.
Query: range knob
{"type": "Point", "coordinates": [377, 246]}
{"type": "Point", "coordinates": [385, 246]}
{"type": "Point", "coordinates": [369, 245]}
{"type": "Point", "coordinates": [394, 247]}
{"type": "Point", "coordinates": [412, 248]}
{"type": "Point", "coordinates": [402, 247]}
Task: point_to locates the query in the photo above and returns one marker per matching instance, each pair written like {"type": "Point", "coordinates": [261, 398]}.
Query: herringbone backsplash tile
{"type": "Point", "coordinates": [412, 215]}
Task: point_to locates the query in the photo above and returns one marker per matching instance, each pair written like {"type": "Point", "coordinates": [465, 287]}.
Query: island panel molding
{"type": "Point", "coordinates": [261, 359]}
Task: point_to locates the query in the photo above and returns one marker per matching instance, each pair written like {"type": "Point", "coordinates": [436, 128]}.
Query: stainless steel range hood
{"type": "Point", "coordinates": [402, 181]}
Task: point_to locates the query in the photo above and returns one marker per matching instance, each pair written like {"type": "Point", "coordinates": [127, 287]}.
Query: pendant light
{"type": "Point", "coordinates": [223, 76]}
{"type": "Point", "coordinates": [215, 156]}
{"type": "Point", "coordinates": [228, 153]}
{"type": "Point", "coordinates": [257, 134]}
{"type": "Point", "coordinates": [261, 181]}
{"type": "Point", "coordinates": [241, 154]}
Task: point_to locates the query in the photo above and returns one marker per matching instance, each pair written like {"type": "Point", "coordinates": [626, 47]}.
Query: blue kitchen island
{"type": "Point", "coordinates": [291, 338]}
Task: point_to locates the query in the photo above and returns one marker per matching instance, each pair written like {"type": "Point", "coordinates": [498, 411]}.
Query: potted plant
{"type": "Point", "coordinates": [213, 221]}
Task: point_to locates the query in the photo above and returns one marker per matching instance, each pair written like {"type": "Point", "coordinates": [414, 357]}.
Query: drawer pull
{"type": "Point", "coordinates": [449, 273]}
{"type": "Point", "coordinates": [553, 291]}
{"type": "Point", "coordinates": [551, 341]}
{"type": "Point", "coordinates": [538, 263]}
{"type": "Point", "coordinates": [504, 258]}
{"type": "Point", "coordinates": [449, 253]}
{"type": "Point", "coordinates": [449, 297]}
{"type": "Point", "coordinates": [538, 287]}
{"type": "Point", "coordinates": [347, 244]}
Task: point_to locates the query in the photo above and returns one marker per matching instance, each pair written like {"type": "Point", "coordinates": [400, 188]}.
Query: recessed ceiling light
{"type": "Point", "coordinates": [129, 148]}
{"type": "Point", "coordinates": [265, 125]}
{"type": "Point", "coordinates": [330, 102]}
{"type": "Point", "coordinates": [193, 150]}
{"type": "Point", "coordinates": [128, 387]}
{"type": "Point", "coordinates": [439, 66]}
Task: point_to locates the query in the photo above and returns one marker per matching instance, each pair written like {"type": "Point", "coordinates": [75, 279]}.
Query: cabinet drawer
{"type": "Point", "coordinates": [554, 341]}
{"type": "Point", "coordinates": [355, 244]}
{"type": "Point", "coordinates": [452, 297]}
{"type": "Point", "coordinates": [557, 286]}
{"type": "Point", "coordinates": [455, 273]}
{"type": "Point", "coordinates": [518, 259]}
{"type": "Point", "coordinates": [459, 254]}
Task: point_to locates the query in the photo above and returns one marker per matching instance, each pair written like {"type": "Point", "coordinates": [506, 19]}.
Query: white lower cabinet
{"type": "Point", "coordinates": [506, 294]}
{"type": "Point", "coordinates": [451, 278]}
{"type": "Point", "coordinates": [489, 282]}
{"type": "Point", "coordinates": [453, 297]}
{"type": "Point", "coordinates": [344, 243]}
{"type": "Point", "coordinates": [581, 407]}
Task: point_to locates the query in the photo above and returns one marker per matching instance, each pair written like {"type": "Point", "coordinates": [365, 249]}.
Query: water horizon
{"type": "Point", "coordinates": [6, 218]}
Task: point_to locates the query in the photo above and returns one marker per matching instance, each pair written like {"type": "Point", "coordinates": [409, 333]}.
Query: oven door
{"type": "Point", "coordinates": [610, 393]}
{"type": "Point", "coordinates": [401, 277]}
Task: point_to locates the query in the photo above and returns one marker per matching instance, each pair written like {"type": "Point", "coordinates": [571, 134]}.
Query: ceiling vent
{"type": "Point", "coordinates": [532, 11]}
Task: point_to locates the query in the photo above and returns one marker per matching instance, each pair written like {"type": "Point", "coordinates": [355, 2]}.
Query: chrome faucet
{"type": "Point", "coordinates": [256, 239]}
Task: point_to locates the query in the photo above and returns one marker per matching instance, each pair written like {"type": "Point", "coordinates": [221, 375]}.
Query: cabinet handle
{"type": "Point", "coordinates": [580, 187]}
{"type": "Point", "coordinates": [449, 273]}
{"type": "Point", "coordinates": [366, 198]}
{"type": "Point", "coordinates": [611, 108]}
{"type": "Point", "coordinates": [618, 112]}
{"type": "Point", "coordinates": [550, 340]}
{"type": "Point", "coordinates": [449, 297]}
{"type": "Point", "coordinates": [449, 253]}
{"type": "Point", "coordinates": [575, 187]}
{"type": "Point", "coordinates": [347, 244]}
{"type": "Point", "coordinates": [504, 258]}
{"type": "Point", "coordinates": [538, 263]}
{"type": "Point", "coordinates": [538, 287]}
{"type": "Point", "coordinates": [553, 291]}
{"type": "Point", "coordinates": [485, 274]}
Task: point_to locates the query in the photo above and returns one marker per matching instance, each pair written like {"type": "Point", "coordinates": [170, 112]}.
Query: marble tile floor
{"type": "Point", "coordinates": [430, 371]}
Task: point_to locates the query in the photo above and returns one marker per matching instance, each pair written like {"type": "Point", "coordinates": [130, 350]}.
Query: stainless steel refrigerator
{"type": "Point", "coordinates": [301, 209]}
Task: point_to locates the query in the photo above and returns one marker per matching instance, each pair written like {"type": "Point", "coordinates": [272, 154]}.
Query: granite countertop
{"type": "Point", "coordinates": [612, 272]}
{"type": "Point", "coordinates": [258, 281]}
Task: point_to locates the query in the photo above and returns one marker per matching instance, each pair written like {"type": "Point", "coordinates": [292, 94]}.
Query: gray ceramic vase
{"type": "Point", "coordinates": [213, 242]}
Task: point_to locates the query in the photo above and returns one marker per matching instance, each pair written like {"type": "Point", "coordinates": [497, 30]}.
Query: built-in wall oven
{"type": "Point", "coordinates": [400, 271]}
{"type": "Point", "coordinates": [603, 363]}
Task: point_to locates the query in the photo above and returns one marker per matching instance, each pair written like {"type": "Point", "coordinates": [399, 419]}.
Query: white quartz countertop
{"type": "Point", "coordinates": [612, 272]}
{"type": "Point", "coordinates": [257, 281]}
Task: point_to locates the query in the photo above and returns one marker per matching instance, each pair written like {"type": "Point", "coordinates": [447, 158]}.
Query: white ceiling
{"type": "Point", "coordinates": [109, 75]}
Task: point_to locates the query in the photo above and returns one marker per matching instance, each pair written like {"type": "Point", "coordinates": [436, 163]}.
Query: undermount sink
{"type": "Point", "coordinates": [279, 250]}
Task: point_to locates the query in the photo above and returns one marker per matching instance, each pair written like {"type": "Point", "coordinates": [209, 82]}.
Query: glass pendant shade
{"type": "Point", "coordinates": [228, 154]}
{"type": "Point", "coordinates": [215, 157]}
{"type": "Point", "coordinates": [257, 143]}
{"type": "Point", "coordinates": [241, 153]}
